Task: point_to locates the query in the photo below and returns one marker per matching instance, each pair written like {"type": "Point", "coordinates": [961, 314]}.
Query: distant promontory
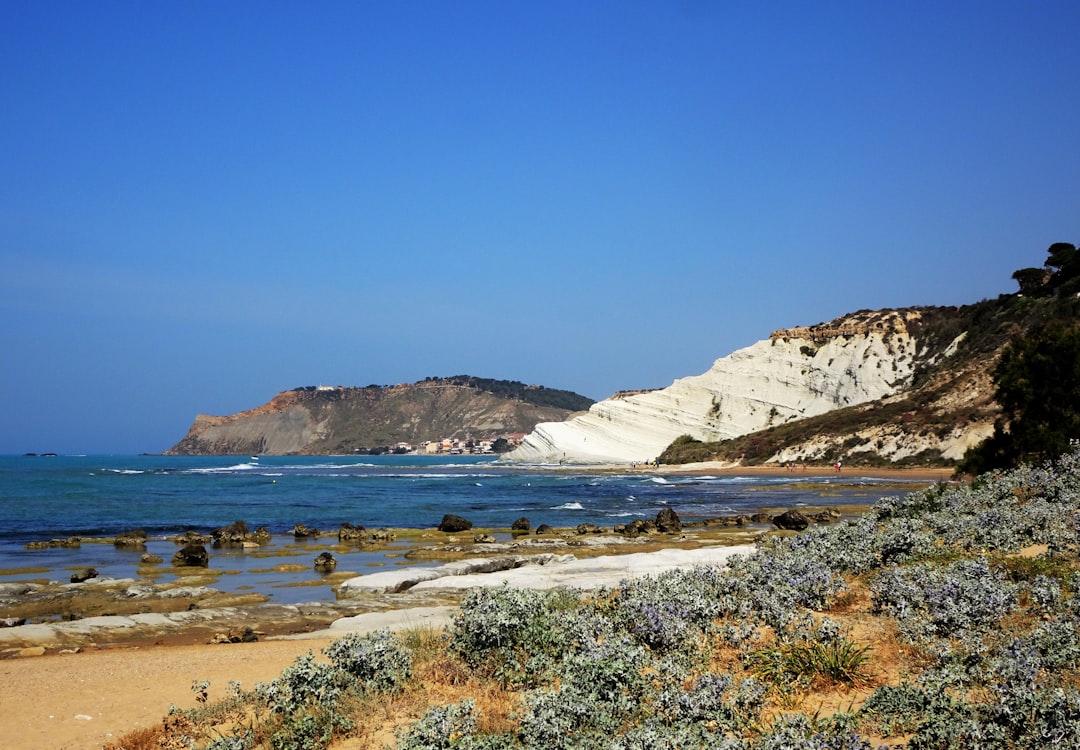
{"type": "Point", "coordinates": [326, 420]}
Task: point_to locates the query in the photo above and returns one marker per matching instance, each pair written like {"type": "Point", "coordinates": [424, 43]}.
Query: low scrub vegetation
{"type": "Point", "coordinates": [943, 619]}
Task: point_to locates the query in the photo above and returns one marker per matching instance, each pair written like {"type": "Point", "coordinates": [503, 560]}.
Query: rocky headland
{"type": "Point", "coordinates": [324, 420]}
{"type": "Point", "coordinates": [911, 382]}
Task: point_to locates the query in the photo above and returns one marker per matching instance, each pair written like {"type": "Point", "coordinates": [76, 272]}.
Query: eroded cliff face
{"type": "Point", "coordinates": [346, 420]}
{"type": "Point", "coordinates": [795, 374]}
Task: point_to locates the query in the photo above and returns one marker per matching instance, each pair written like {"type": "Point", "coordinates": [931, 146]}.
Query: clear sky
{"type": "Point", "coordinates": [205, 203]}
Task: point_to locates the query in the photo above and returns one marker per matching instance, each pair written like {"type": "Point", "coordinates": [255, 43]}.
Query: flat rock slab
{"type": "Point", "coordinates": [590, 573]}
{"type": "Point", "coordinates": [405, 579]}
{"type": "Point", "coordinates": [525, 571]}
{"type": "Point", "coordinates": [369, 622]}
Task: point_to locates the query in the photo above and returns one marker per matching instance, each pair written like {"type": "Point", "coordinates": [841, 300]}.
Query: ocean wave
{"type": "Point", "coordinates": [124, 471]}
{"type": "Point", "coordinates": [569, 506]}
{"type": "Point", "coordinates": [306, 467]}
{"type": "Point", "coordinates": [222, 469]}
{"type": "Point", "coordinates": [430, 475]}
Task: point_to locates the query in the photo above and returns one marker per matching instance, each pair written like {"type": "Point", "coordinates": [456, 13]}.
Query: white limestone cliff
{"type": "Point", "coordinates": [797, 373]}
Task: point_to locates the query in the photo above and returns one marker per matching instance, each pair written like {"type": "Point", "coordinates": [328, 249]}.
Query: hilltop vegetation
{"type": "Point", "coordinates": [946, 619]}
{"type": "Point", "coordinates": [512, 389]}
{"type": "Point", "coordinates": [509, 389]}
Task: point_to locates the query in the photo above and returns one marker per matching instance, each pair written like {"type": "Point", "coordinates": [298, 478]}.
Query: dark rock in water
{"type": "Point", "coordinates": [236, 533]}
{"type": "Point", "coordinates": [635, 528]}
{"type": "Point", "coordinates": [148, 559]}
{"type": "Point", "coordinates": [589, 528]}
{"type": "Point", "coordinates": [134, 539]}
{"type": "Point", "coordinates": [349, 534]}
{"type": "Point", "coordinates": [383, 535]}
{"type": "Point", "coordinates": [791, 520]}
{"type": "Point", "coordinates": [325, 562]}
{"type": "Point", "coordinates": [522, 524]}
{"type": "Point", "coordinates": [71, 542]}
{"type": "Point", "coordinates": [84, 575]}
{"type": "Point", "coordinates": [826, 516]}
{"type": "Point", "coordinates": [191, 556]}
{"type": "Point", "coordinates": [452, 523]}
{"type": "Point", "coordinates": [300, 531]}
{"type": "Point", "coordinates": [761, 517]}
{"type": "Point", "coordinates": [667, 521]}
{"type": "Point", "coordinates": [191, 537]}
{"type": "Point", "coordinates": [544, 529]}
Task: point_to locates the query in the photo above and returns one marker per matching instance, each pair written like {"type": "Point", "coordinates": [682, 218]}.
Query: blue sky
{"type": "Point", "coordinates": [203, 204]}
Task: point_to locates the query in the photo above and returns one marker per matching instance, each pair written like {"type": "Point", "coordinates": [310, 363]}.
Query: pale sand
{"type": "Point", "coordinates": [81, 701]}
{"type": "Point", "coordinates": [722, 469]}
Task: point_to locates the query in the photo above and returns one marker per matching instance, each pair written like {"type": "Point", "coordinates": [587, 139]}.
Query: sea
{"type": "Point", "coordinates": [47, 497]}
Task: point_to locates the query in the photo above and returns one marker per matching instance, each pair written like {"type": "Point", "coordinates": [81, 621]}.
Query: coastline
{"type": "Point", "coordinates": [720, 468]}
{"type": "Point", "coordinates": [100, 686]}
{"type": "Point", "coordinates": [83, 697]}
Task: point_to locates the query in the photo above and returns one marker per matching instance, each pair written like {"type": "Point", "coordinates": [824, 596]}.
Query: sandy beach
{"type": "Point", "coordinates": [83, 697]}
{"type": "Point", "coordinates": [722, 469]}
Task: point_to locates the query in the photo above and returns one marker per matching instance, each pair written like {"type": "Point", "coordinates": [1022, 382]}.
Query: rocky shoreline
{"type": "Point", "coordinates": [437, 566]}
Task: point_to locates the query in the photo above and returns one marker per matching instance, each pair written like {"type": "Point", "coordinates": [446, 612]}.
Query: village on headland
{"type": "Point", "coordinates": [451, 447]}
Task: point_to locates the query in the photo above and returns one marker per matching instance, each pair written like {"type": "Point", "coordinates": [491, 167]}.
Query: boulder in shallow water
{"type": "Point", "coordinates": [349, 534]}
{"type": "Point", "coordinates": [636, 527]}
{"type": "Point", "coordinates": [451, 523]}
{"type": "Point", "coordinates": [302, 531]}
{"type": "Point", "coordinates": [544, 529]}
{"type": "Point", "coordinates": [134, 539]}
{"type": "Point", "coordinates": [325, 562]}
{"type": "Point", "coordinates": [84, 575]}
{"type": "Point", "coordinates": [667, 521]}
{"type": "Point", "coordinates": [191, 556]}
{"type": "Point", "coordinates": [148, 559]}
{"type": "Point", "coordinates": [236, 533]}
{"type": "Point", "coordinates": [791, 520]}
{"type": "Point", "coordinates": [191, 537]}
{"type": "Point", "coordinates": [522, 524]}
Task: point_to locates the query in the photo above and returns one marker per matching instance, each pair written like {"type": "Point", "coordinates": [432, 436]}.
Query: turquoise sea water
{"type": "Point", "coordinates": [45, 497]}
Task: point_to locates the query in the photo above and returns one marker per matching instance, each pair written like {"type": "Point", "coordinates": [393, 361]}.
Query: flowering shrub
{"type": "Point", "coordinates": [377, 660]}
{"type": "Point", "coordinates": [515, 633]}
{"type": "Point", "coordinates": [450, 727]}
{"type": "Point", "coordinates": [304, 682]}
{"type": "Point", "coordinates": [929, 600]}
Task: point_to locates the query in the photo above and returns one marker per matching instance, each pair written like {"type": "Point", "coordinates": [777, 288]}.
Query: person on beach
{"type": "Point", "coordinates": [838, 465]}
